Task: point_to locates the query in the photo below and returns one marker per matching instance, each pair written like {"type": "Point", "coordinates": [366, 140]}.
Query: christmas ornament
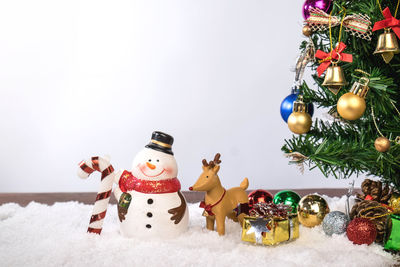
{"type": "Point", "coordinates": [312, 210]}
{"type": "Point", "coordinates": [392, 239]}
{"type": "Point", "coordinates": [387, 45]}
{"type": "Point", "coordinates": [373, 211]}
{"type": "Point", "coordinates": [299, 121]}
{"type": "Point", "coordinates": [334, 77]}
{"type": "Point", "coordinates": [394, 202]}
{"type": "Point", "coordinates": [358, 25]}
{"type": "Point", "coordinates": [387, 42]}
{"type": "Point", "coordinates": [382, 144]}
{"type": "Point", "coordinates": [259, 196]}
{"type": "Point", "coordinates": [297, 158]}
{"type": "Point", "coordinates": [348, 195]}
{"type": "Point", "coordinates": [103, 196]}
{"type": "Point", "coordinates": [307, 31]}
{"type": "Point", "coordinates": [289, 198]}
{"type": "Point", "coordinates": [218, 202]}
{"type": "Point", "coordinates": [335, 222]}
{"type": "Point", "coordinates": [361, 231]}
{"type": "Point", "coordinates": [269, 223]}
{"type": "Point", "coordinates": [321, 4]}
{"type": "Point", "coordinates": [150, 201]}
{"type": "Point", "coordinates": [351, 105]}
{"type": "Point", "coordinates": [287, 106]}
{"type": "Point", "coordinates": [374, 190]}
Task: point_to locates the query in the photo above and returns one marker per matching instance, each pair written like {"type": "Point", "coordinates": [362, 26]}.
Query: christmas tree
{"type": "Point", "coordinates": [342, 147]}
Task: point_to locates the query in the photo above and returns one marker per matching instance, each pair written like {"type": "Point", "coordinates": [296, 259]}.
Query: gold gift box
{"type": "Point", "coordinates": [279, 230]}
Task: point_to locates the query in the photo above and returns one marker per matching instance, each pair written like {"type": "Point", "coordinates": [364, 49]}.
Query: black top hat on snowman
{"type": "Point", "coordinates": [161, 142]}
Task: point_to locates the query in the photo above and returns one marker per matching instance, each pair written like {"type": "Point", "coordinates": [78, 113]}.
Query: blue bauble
{"type": "Point", "coordinates": [287, 107]}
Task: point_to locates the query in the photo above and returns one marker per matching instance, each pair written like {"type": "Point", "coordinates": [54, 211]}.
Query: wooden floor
{"type": "Point", "coordinates": [88, 198]}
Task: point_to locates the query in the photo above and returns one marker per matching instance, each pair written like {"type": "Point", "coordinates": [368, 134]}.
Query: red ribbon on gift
{"type": "Point", "coordinates": [336, 54]}
{"type": "Point", "coordinates": [389, 21]}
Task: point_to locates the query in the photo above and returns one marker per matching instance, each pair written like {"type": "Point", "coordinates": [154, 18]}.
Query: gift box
{"type": "Point", "coordinates": [270, 224]}
{"type": "Point", "coordinates": [392, 238]}
{"type": "Point", "coordinates": [270, 231]}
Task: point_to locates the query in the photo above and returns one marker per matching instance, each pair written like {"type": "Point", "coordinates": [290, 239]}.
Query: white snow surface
{"type": "Point", "coordinates": [42, 235]}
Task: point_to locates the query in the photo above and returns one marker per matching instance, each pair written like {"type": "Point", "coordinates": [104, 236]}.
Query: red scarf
{"type": "Point", "coordinates": [128, 182]}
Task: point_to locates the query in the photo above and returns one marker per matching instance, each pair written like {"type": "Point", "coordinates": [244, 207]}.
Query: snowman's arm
{"type": "Point", "coordinates": [117, 190]}
{"type": "Point", "coordinates": [178, 212]}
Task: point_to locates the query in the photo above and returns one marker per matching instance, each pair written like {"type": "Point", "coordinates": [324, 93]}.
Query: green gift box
{"type": "Point", "coordinates": [393, 233]}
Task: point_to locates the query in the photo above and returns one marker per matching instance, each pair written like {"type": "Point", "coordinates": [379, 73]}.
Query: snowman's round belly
{"type": "Point", "coordinates": [148, 216]}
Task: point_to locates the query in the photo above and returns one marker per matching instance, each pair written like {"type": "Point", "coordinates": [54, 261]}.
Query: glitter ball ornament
{"type": "Point", "coordinates": [259, 196]}
{"type": "Point", "coordinates": [312, 210]}
{"type": "Point", "coordinates": [361, 231]}
{"type": "Point", "coordinates": [289, 198]}
{"type": "Point", "coordinates": [335, 222]}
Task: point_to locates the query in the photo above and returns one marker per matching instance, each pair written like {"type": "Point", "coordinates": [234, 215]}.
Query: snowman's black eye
{"type": "Point", "coordinates": [158, 161]}
{"type": "Point", "coordinates": [149, 160]}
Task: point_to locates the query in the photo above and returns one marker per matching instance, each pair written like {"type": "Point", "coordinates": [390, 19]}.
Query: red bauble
{"type": "Point", "coordinates": [259, 196]}
{"type": "Point", "coordinates": [361, 231]}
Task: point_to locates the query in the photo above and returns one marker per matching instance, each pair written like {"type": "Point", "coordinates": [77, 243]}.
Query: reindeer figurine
{"type": "Point", "coordinates": [219, 203]}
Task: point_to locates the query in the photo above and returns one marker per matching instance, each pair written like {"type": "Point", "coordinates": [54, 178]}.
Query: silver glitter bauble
{"type": "Point", "coordinates": [335, 222]}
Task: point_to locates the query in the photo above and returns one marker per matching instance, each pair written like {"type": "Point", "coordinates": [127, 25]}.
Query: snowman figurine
{"type": "Point", "coordinates": [150, 201]}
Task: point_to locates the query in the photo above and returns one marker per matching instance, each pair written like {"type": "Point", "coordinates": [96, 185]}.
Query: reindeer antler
{"type": "Point", "coordinates": [216, 158]}
{"type": "Point", "coordinates": [205, 164]}
{"type": "Point", "coordinates": [212, 163]}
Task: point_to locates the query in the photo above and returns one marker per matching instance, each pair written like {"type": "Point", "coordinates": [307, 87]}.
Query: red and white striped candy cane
{"type": "Point", "coordinates": [102, 165]}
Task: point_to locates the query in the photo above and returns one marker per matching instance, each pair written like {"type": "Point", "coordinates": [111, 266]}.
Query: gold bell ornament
{"type": "Point", "coordinates": [334, 78]}
{"type": "Point", "coordinates": [299, 121]}
{"type": "Point", "coordinates": [387, 42]}
{"type": "Point", "coordinates": [351, 105]}
{"type": "Point", "coordinates": [387, 45]}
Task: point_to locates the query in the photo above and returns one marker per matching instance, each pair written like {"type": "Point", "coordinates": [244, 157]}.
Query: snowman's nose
{"type": "Point", "coordinates": [151, 166]}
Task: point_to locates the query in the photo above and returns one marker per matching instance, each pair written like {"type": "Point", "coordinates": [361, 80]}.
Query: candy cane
{"type": "Point", "coordinates": [102, 165]}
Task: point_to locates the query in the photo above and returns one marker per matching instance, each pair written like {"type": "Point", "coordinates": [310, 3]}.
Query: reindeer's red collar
{"type": "Point", "coordinates": [128, 182]}
{"type": "Point", "coordinates": [208, 208]}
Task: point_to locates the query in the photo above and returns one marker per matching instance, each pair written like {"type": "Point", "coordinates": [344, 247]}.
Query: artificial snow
{"type": "Point", "coordinates": [41, 235]}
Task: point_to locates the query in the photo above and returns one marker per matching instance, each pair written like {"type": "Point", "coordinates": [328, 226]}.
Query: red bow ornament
{"type": "Point", "coordinates": [337, 54]}
{"type": "Point", "coordinates": [389, 21]}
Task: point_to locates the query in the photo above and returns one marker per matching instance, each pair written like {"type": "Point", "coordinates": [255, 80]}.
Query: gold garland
{"type": "Point", "coordinates": [397, 139]}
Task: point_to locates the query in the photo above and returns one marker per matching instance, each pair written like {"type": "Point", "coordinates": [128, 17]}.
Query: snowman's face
{"type": "Point", "coordinates": [150, 164]}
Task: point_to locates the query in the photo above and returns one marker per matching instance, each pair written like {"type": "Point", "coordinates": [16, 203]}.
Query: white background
{"type": "Point", "coordinates": [85, 78]}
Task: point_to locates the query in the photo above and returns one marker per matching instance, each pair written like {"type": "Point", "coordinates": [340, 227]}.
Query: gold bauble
{"type": "Point", "coordinates": [299, 122]}
{"type": "Point", "coordinates": [382, 144]}
{"type": "Point", "coordinates": [307, 31]}
{"type": "Point", "coordinates": [312, 210]}
{"type": "Point", "coordinates": [351, 106]}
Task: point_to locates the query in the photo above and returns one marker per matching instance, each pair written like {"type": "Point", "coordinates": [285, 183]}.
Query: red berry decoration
{"type": "Point", "coordinates": [259, 196]}
{"type": "Point", "coordinates": [361, 231]}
